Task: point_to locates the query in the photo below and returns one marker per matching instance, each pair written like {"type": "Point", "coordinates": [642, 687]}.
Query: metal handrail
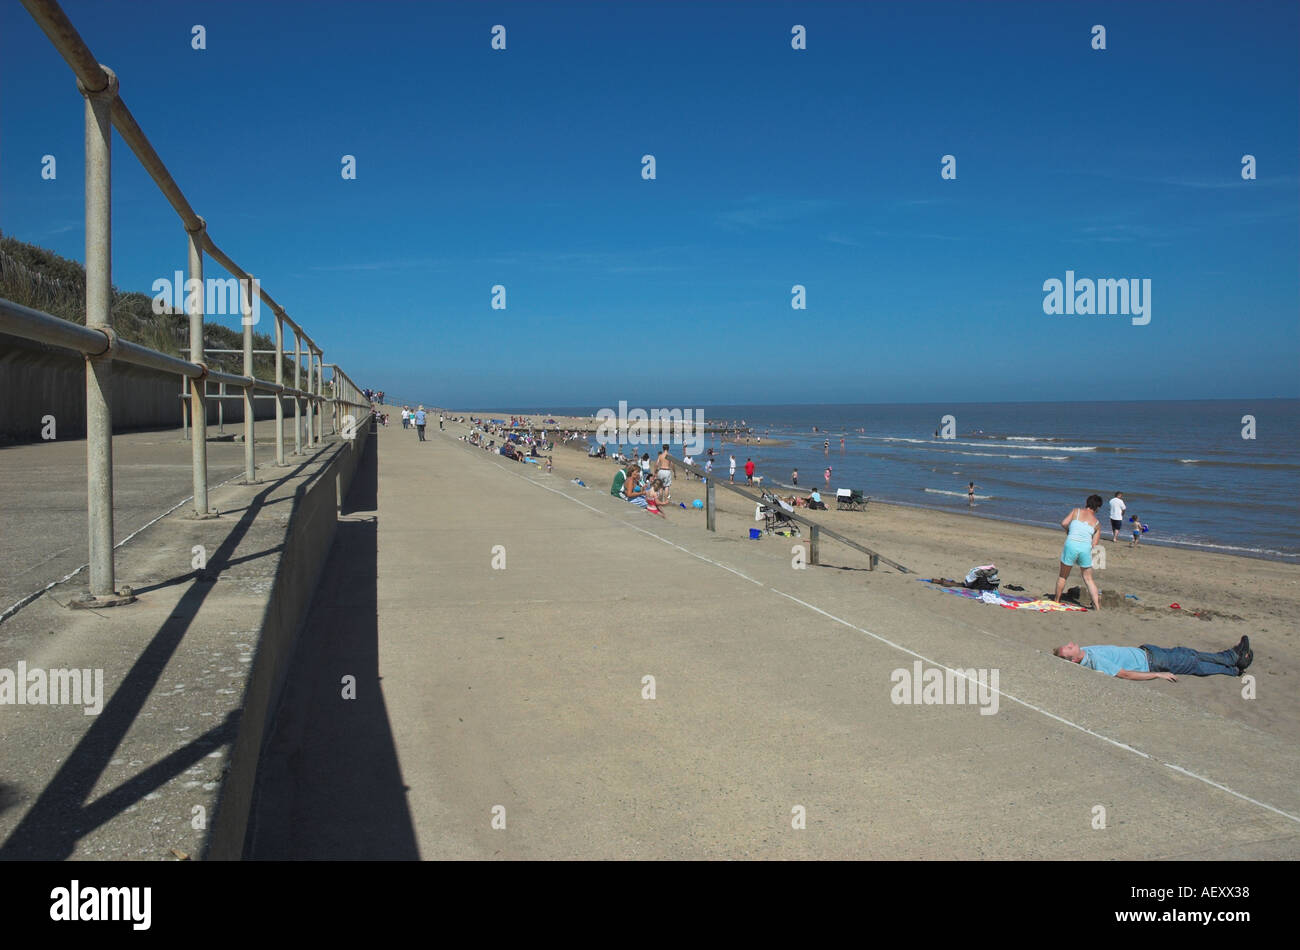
{"type": "Point", "coordinates": [816, 528]}
{"type": "Point", "coordinates": [100, 344]}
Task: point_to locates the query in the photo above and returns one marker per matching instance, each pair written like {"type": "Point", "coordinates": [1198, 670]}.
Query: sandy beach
{"type": "Point", "coordinates": [1232, 595]}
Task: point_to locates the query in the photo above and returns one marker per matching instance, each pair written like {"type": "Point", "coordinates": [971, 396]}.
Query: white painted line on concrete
{"type": "Point", "coordinates": [1050, 715]}
{"type": "Point", "coordinates": [24, 601]}
{"type": "Point", "coordinates": [562, 494]}
{"type": "Point", "coordinates": [1202, 778]}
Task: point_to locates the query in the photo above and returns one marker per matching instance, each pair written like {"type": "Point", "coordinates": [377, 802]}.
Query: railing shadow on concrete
{"type": "Point", "coordinates": [305, 807]}
{"type": "Point", "coordinates": [62, 814]}
{"type": "Point", "coordinates": [102, 347]}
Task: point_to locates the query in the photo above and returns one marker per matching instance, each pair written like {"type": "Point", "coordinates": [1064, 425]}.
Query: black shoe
{"type": "Point", "coordinates": [1244, 654]}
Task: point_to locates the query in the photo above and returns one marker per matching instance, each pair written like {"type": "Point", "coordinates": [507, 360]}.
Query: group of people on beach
{"type": "Point", "coordinates": [1083, 534]}
{"type": "Point", "coordinates": [634, 484]}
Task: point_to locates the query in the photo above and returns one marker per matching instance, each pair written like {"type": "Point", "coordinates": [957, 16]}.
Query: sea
{"type": "Point", "coordinates": [1215, 475]}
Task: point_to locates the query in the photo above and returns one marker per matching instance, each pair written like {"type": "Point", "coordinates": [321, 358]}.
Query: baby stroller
{"type": "Point", "coordinates": [776, 515]}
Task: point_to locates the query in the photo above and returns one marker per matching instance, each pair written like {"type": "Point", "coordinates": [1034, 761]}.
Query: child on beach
{"type": "Point", "coordinates": [654, 496]}
{"type": "Point", "coordinates": [794, 477]}
{"type": "Point", "coordinates": [1137, 531]}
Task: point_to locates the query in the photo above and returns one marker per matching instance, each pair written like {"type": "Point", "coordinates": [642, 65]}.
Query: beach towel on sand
{"type": "Point", "coordinates": [1011, 602]}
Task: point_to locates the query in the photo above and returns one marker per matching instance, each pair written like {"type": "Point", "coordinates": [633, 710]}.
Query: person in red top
{"type": "Point", "coordinates": [749, 471]}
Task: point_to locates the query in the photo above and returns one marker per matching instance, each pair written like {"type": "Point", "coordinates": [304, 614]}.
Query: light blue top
{"type": "Point", "coordinates": [1080, 531]}
{"type": "Point", "coordinates": [419, 418]}
{"type": "Point", "coordinates": [1110, 660]}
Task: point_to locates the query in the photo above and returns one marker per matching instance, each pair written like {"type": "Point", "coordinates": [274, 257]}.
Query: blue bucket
{"type": "Point", "coordinates": [755, 534]}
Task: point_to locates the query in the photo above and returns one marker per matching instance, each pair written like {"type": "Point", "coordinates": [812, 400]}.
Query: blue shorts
{"type": "Point", "coordinates": [1077, 552]}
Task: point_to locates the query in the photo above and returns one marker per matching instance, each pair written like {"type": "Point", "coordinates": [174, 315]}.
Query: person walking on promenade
{"type": "Point", "coordinates": [1149, 662]}
{"type": "Point", "coordinates": [440, 421]}
{"type": "Point", "coordinates": [1081, 528]}
{"type": "Point", "coordinates": [1117, 507]}
{"type": "Point", "coordinates": [406, 418]}
{"type": "Point", "coordinates": [420, 420]}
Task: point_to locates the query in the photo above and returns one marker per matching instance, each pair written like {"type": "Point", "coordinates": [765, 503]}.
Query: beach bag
{"type": "Point", "coordinates": [984, 577]}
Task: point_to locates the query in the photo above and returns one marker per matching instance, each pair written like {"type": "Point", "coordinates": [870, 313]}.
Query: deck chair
{"type": "Point", "coordinates": [858, 500]}
{"type": "Point", "coordinates": [776, 515]}
{"type": "Point", "coordinates": [843, 498]}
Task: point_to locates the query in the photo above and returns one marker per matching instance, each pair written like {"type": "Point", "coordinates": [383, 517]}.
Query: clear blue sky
{"type": "Point", "coordinates": [775, 167]}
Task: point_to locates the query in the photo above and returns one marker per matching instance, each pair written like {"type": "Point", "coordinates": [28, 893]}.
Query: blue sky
{"type": "Point", "coordinates": [775, 167]}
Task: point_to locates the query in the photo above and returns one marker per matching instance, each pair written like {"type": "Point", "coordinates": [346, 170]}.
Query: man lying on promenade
{"type": "Point", "coordinates": [1149, 662]}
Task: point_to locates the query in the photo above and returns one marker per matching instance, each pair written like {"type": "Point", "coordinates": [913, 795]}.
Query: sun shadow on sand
{"type": "Point", "coordinates": [329, 784]}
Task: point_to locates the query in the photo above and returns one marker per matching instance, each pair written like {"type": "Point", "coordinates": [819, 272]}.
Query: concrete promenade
{"type": "Point", "coordinates": [523, 688]}
{"type": "Point", "coordinates": [43, 495]}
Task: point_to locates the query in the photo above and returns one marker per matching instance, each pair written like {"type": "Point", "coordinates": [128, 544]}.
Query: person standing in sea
{"type": "Point", "coordinates": [970, 495]}
{"type": "Point", "coordinates": [828, 478]}
{"type": "Point", "coordinates": [1117, 508]}
{"type": "Point", "coordinates": [733, 469]}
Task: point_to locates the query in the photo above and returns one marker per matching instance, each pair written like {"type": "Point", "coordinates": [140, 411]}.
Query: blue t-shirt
{"type": "Point", "coordinates": [419, 418]}
{"type": "Point", "coordinates": [1110, 660]}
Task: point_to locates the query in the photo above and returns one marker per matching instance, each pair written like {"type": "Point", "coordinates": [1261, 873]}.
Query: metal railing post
{"type": "Point", "coordinates": [198, 387]}
{"type": "Point", "coordinates": [320, 393]}
{"type": "Point", "coordinates": [99, 315]}
{"type": "Point", "coordinates": [710, 510]}
{"type": "Point", "coordinates": [297, 399]}
{"type": "Point", "coordinates": [814, 545]}
{"type": "Point", "coordinates": [311, 388]}
{"type": "Point", "coordinates": [250, 459]}
{"type": "Point", "coordinates": [279, 399]}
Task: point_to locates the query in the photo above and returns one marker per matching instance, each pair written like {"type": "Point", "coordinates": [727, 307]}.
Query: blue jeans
{"type": "Point", "coordinates": [1190, 662]}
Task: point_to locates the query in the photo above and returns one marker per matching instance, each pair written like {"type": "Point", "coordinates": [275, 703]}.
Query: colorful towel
{"type": "Point", "coordinates": [1009, 601]}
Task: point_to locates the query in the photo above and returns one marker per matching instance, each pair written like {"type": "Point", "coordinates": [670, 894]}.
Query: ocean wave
{"type": "Point", "coordinates": [942, 444]}
{"type": "Point", "coordinates": [1281, 466]}
{"type": "Point", "coordinates": [1257, 552]}
{"type": "Point", "coordinates": [959, 494]}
